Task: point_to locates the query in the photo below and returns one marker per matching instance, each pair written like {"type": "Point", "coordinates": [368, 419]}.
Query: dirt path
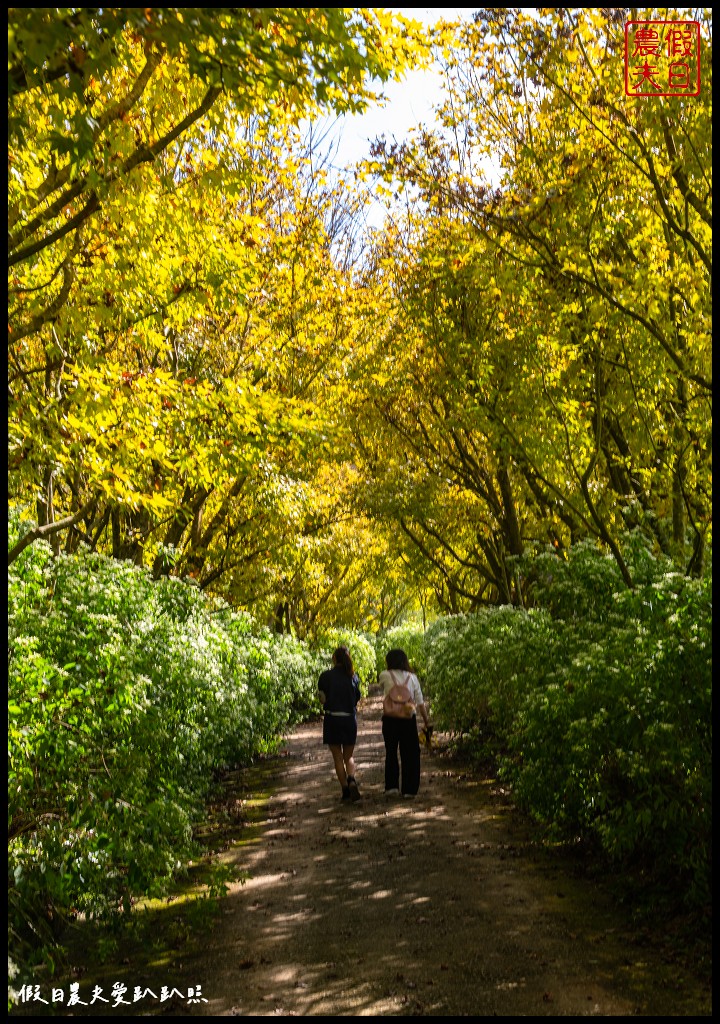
{"type": "Point", "coordinates": [439, 905]}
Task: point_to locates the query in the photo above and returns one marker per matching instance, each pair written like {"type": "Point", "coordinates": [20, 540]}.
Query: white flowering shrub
{"type": "Point", "coordinates": [126, 696]}
{"type": "Point", "coordinates": [597, 705]}
{"type": "Point", "coordinates": [480, 666]}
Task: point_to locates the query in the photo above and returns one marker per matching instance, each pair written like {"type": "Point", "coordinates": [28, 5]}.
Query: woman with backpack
{"type": "Point", "coordinates": [402, 700]}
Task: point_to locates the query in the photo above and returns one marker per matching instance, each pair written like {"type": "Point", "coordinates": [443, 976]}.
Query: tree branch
{"type": "Point", "coordinates": [39, 532]}
{"type": "Point", "coordinates": [143, 154]}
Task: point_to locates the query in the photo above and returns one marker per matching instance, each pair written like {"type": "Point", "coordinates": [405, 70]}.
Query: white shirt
{"type": "Point", "coordinates": [391, 677]}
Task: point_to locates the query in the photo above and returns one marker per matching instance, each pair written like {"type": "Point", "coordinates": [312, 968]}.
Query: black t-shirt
{"type": "Point", "coordinates": [342, 693]}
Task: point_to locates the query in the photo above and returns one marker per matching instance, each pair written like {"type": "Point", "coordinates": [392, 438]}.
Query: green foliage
{"type": "Point", "coordinates": [156, 380]}
{"type": "Point", "coordinates": [409, 637]}
{"type": "Point", "coordinates": [514, 366]}
{"type": "Point", "coordinates": [546, 373]}
{"type": "Point", "coordinates": [125, 697]}
{"type": "Point", "coordinates": [285, 674]}
{"type": "Point", "coordinates": [599, 711]}
{"type": "Point", "coordinates": [479, 668]}
{"type": "Point", "coordinates": [581, 586]}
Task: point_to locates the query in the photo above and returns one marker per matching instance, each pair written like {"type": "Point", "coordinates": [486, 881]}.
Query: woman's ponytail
{"type": "Point", "coordinates": [341, 657]}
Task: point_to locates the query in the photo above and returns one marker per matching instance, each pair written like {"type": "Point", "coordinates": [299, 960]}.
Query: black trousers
{"type": "Point", "coordinates": [401, 734]}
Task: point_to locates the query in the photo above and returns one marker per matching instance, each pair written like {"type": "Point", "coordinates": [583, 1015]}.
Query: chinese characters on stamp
{"type": "Point", "coordinates": [662, 58]}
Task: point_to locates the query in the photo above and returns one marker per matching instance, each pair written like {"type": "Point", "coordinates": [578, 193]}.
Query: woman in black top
{"type": "Point", "coordinates": [339, 690]}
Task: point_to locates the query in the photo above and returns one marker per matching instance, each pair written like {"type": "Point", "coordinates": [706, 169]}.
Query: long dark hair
{"type": "Point", "coordinates": [397, 658]}
{"type": "Point", "coordinates": [341, 657]}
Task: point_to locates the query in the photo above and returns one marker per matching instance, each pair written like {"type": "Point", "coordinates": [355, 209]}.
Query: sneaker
{"type": "Point", "coordinates": [353, 787]}
{"type": "Point", "coordinates": [345, 793]}
{"type": "Point", "coordinates": [392, 792]}
{"type": "Point", "coordinates": [409, 796]}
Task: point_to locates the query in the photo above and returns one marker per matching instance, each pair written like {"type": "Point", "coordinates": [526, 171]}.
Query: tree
{"type": "Point", "coordinates": [140, 401]}
{"type": "Point", "coordinates": [571, 303]}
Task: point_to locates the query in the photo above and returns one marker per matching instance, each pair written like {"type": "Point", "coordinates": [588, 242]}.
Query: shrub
{"type": "Point", "coordinates": [597, 707]}
{"type": "Point", "coordinates": [125, 698]}
{"type": "Point", "coordinates": [479, 667]}
{"type": "Point", "coordinates": [409, 637]}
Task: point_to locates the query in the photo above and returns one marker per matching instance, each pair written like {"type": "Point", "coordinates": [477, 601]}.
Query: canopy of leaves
{"type": "Point", "coordinates": [209, 376]}
{"type": "Point", "coordinates": [179, 292]}
{"type": "Point", "coordinates": [547, 374]}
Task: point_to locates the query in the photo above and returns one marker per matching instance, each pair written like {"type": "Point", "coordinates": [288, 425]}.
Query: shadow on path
{"type": "Point", "coordinates": [441, 905]}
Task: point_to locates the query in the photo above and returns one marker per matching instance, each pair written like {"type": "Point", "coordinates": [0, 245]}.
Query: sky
{"type": "Point", "coordinates": [410, 102]}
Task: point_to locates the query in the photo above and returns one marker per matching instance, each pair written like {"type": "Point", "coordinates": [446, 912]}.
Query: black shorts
{"type": "Point", "coordinates": [339, 730]}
